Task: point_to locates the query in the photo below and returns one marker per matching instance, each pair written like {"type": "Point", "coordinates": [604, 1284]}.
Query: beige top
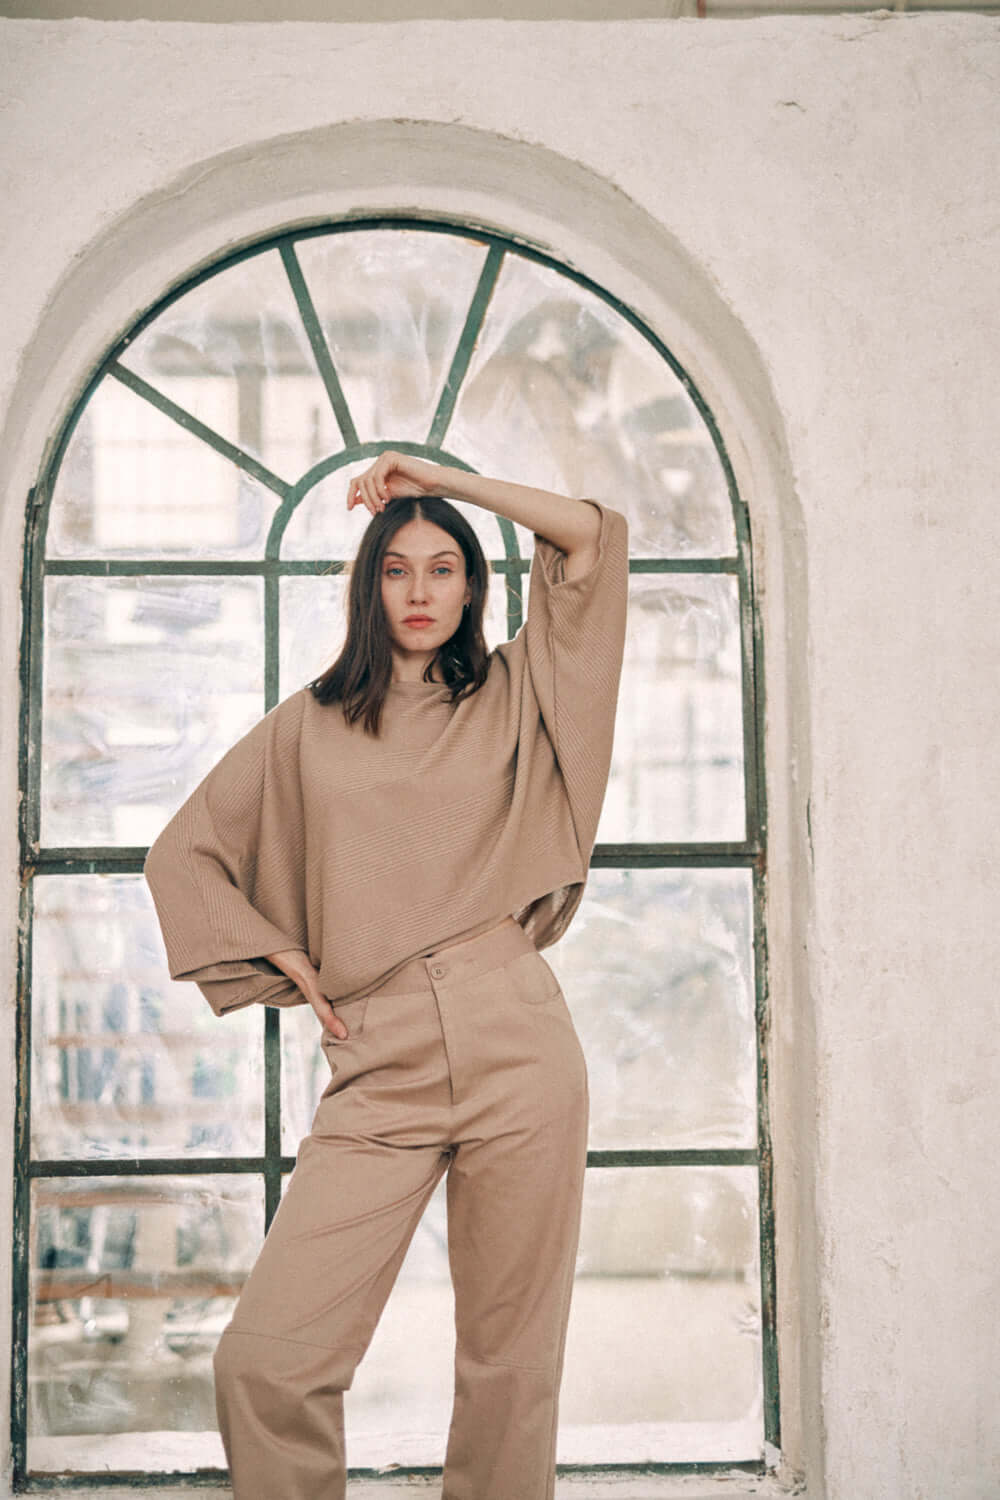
{"type": "Point", "coordinates": [366, 852]}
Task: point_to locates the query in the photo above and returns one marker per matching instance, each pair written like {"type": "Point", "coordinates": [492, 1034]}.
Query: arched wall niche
{"type": "Point", "coordinates": [561, 207]}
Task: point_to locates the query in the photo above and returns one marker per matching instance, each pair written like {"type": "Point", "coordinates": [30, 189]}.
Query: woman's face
{"type": "Point", "coordinates": [423, 589]}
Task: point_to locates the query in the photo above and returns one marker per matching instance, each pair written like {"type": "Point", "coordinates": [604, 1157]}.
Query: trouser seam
{"type": "Point", "coordinates": [280, 1338]}
{"type": "Point", "coordinates": [507, 1364]}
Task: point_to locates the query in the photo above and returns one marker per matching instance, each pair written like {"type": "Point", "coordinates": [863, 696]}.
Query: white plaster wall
{"type": "Point", "coordinates": [807, 211]}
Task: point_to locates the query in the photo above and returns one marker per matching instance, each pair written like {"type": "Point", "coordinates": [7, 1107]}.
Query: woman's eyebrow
{"type": "Point", "coordinates": [446, 552]}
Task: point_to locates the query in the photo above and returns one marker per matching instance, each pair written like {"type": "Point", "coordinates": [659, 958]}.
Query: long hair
{"type": "Point", "coordinates": [360, 676]}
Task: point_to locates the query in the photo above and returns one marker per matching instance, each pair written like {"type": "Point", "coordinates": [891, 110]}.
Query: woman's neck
{"type": "Point", "coordinates": [412, 670]}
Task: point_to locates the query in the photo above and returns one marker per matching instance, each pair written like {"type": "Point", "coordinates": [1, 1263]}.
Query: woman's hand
{"type": "Point", "coordinates": [296, 964]}
{"type": "Point", "coordinates": [574, 526]}
{"type": "Point", "coordinates": [391, 476]}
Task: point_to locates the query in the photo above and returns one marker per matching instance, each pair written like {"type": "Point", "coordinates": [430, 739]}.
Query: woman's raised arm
{"type": "Point", "coordinates": [573, 526]}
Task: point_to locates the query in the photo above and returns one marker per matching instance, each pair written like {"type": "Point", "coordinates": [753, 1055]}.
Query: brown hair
{"type": "Point", "coordinates": [360, 676]}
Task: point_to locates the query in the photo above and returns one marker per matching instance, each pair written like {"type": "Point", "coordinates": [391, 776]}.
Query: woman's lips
{"type": "Point", "coordinates": [418, 622]}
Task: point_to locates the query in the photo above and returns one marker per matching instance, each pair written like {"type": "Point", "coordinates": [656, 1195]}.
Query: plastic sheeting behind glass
{"type": "Point", "coordinates": [677, 768]}
{"type": "Point", "coordinates": [134, 483]}
{"type": "Point", "coordinates": [132, 1281]}
{"type": "Point", "coordinates": [146, 683]}
{"type": "Point", "coordinates": [663, 1352]}
{"type": "Point", "coordinates": [125, 1061]}
{"type": "Point", "coordinates": [392, 306]}
{"type": "Point", "coordinates": [563, 393]}
{"type": "Point", "coordinates": [658, 972]}
{"type": "Point", "coordinates": [241, 330]}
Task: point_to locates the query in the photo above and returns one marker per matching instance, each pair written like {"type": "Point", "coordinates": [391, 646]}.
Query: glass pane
{"type": "Point", "coordinates": [399, 1405]}
{"type": "Point", "coordinates": [133, 1280]}
{"type": "Point", "coordinates": [322, 527]}
{"type": "Point", "coordinates": [677, 771]}
{"type": "Point", "coordinates": [657, 969]}
{"type": "Point", "coordinates": [298, 426]}
{"type": "Point", "coordinates": [241, 330]}
{"type": "Point", "coordinates": [313, 627]}
{"type": "Point", "coordinates": [663, 1353]}
{"type": "Point", "coordinates": [133, 483]}
{"type": "Point", "coordinates": [146, 683]}
{"type": "Point", "coordinates": [563, 393]}
{"type": "Point", "coordinates": [392, 304]}
{"type": "Point", "coordinates": [125, 1061]}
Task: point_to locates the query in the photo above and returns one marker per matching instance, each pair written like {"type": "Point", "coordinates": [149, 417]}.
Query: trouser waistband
{"type": "Point", "coordinates": [461, 961]}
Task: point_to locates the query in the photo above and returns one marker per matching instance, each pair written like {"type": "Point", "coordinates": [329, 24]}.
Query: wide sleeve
{"type": "Point", "coordinates": [227, 876]}
{"type": "Point", "coordinates": [574, 638]}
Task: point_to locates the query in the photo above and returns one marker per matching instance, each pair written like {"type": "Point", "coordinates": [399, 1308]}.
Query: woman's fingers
{"type": "Point", "coordinates": [362, 493]}
{"type": "Point", "coordinates": [377, 481]}
{"type": "Point", "coordinates": [328, 1016]}
{"type": "Point", "coordinates": [336, 1025]}
{"type": "Point", "coordinates": [373, 488]}
{"type": "Point", "coordinates": [309, 985]}
{"type": "Point", "coordinates": [356, 493]}
{"type": "Point", "coordinates": [393, 474]}
{"type": "Point", "coordinates": [386, 463]}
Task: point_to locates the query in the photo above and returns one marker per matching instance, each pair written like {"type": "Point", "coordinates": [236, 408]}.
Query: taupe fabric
{"type": "Point", "coordinates": [367, 852]}
{"type": "Point", "coordinates": [465, 1063]}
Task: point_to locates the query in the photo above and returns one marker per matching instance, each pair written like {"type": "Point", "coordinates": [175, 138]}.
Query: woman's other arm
{"type": "Point", "coordinates": [573, 526]}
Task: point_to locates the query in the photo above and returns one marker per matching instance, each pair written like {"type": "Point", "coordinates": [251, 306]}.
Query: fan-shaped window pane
{"type": "Point", "coordinates": [391, 308]}
{"type": "Point", "coordinates": [240, 331]}
{"type": "Point", "coordinates": [134, 483]}
{"type": "Point", "coordinates": [563, 393]}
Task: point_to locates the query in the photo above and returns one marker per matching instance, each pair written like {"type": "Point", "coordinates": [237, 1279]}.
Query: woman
{"type": "Point", "coordinates": [393, 844]}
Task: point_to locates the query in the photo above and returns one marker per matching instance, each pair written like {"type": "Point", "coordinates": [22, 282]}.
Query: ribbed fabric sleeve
{"type": "Point", "coordinates": [202, 871]}
{"type": "Point", "coordinates": [575, 640]}
{"type": "Point", "coordinates": [366, 851]}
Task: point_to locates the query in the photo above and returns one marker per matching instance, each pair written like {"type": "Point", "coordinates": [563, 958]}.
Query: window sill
{"type": "Point", "coordinates": [734, 1485]}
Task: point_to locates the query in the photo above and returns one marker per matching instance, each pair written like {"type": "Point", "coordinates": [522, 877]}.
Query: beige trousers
{"type": "Point", "coordinates": [465, 1062]}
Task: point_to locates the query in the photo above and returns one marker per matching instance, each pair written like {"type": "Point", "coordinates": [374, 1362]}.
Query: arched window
{"type": "Point", "coordinates": [185, 574]}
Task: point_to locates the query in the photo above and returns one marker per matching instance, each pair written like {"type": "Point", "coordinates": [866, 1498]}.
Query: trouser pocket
{"type": "Point", "coordinates": [352, 1013]}
{"type": "Point", "coordinates": [532, 979]}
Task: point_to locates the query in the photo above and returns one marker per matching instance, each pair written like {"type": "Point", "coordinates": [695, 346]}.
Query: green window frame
{"type": "Point", "coordinates": [39, 863]}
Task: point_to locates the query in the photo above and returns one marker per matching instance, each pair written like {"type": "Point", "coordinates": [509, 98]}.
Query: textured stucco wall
{"type": "Point", "coordinates": [826, 191]}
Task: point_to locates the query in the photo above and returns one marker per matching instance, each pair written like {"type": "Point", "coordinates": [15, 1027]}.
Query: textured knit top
{"type": "Point", "coordinates": [366, 851]}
